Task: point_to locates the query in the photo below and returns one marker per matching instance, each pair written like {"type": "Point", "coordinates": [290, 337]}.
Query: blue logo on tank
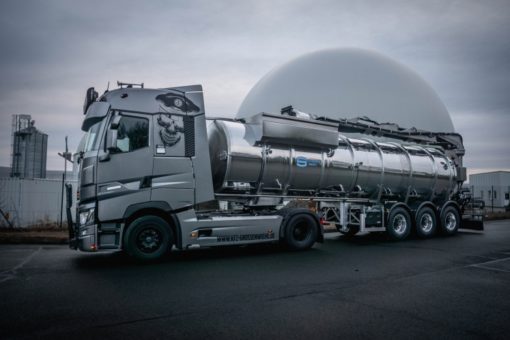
{"type": "Point", "coordinates": [302, 162]}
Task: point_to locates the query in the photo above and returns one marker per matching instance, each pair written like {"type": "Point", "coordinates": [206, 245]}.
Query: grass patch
{"type": "Point", "coordinates": [497, 215]}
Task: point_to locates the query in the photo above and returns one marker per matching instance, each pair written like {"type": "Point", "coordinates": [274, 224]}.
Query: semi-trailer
{"type": "Point", "coordinates": [156, 173]}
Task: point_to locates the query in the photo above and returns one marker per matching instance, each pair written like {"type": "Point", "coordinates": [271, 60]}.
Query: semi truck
{"type": "Point", "coordinates": [156, 173]}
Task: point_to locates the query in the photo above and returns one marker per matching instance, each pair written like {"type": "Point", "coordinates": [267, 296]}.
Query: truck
{"type": "Point", "coordinates": [156, 173]}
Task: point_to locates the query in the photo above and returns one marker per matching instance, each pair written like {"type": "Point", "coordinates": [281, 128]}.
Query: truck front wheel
{"type": "Point", "coordinates": [301, 232]}
{"type": "Point", "coordinates": [148, 238]}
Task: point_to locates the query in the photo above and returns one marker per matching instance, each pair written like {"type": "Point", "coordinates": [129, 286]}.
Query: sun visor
{"type": "Point", "coordinates": [95, 113]}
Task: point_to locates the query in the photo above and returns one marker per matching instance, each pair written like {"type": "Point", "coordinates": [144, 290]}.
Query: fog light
{"type": "Point", "coordinates": [194, 234]}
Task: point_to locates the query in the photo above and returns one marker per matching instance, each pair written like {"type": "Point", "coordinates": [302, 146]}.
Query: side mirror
{"type": "Point", "coordinates": [69, 195]}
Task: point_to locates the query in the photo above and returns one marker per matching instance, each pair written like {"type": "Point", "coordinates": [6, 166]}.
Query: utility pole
{"type": "Point", "coordinates": [507, 199]}
{"type": "Point", "coordinates": [492, 198]}
{"type": "Point", "coordinates": [65, 161]}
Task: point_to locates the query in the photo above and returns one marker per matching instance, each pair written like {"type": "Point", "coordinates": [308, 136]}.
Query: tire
{"type": "Point", "coordinates": [426, 222]}
{"type": "Point", "coordinates": [450, 220]}
{"type": "Point", "coordinates": [353, 230]}
{"type": "Point", "coordinates": [301, 232]}
{"type": "Point", "coordinates": [399, 224]}
{"type": "Point", "coordinates": [148, 238]}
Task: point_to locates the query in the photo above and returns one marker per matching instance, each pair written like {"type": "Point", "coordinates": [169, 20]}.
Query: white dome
{"type": "Point", "coordinates": [347, 83]}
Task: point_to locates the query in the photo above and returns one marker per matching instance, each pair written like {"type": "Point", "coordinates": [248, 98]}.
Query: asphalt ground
{"type": "Point", "coordinates": [365, 287]}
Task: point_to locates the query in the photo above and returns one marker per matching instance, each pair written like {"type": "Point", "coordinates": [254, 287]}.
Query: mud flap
{"type": "Point", "coordinates": [472, 222]}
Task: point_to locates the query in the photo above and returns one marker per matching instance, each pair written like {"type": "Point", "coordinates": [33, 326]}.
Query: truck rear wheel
{"type": "Point", "coordinates": [399, 224]}
{"type": "Point", "coordinates": [148, 238]}
{"type": "Point", "coordinates": [426, 222]}
{"type": "Point", "coordinates": [301, 232]}
{"type": "Point", "coordinates": [450, 220]}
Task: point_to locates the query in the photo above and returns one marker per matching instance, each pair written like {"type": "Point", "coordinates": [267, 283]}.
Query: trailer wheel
{"type": "Point", "coordinates": [426, 222]}
{"type": "Point", "coordinates": [148, 238]}
{"type": "Point", "coordinates": [301, 232]}
{"type": "Point", "coordinates": [399, 224]}
{"type": "Point", "coordinates": [450, 220]}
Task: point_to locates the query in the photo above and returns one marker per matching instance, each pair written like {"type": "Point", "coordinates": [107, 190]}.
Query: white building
{"type": "Point", "coordinates": [348, 83]}
{"type": "Point", "coordinates": [492, 187]}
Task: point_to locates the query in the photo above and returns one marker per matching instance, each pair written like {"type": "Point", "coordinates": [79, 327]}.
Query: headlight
{"type": "Point", "coordinates": [87, 216]}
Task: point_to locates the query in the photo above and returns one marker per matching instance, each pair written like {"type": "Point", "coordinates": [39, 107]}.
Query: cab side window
{"type": "Point", "coordinates": [132, 134]}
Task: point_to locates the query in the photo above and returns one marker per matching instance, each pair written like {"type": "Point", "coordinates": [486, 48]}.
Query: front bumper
{"type": "Point", "coordinates": [87, 238]}
{"type": "Point", "coordinates": [96, 237]}
{"type": "Point", "coordinates": [84, 238]}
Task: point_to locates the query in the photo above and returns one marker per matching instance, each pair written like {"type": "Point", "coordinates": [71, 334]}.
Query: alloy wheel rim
{"type": "Point", "coordinates": [399, 224]}
{"type": "Point", "coordinates": [426, 223]}
{"type": "Point", "coordinates": [451, 221]}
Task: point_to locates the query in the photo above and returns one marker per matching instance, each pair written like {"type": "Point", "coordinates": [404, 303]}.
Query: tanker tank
{"type": "Point", "coordinates": [289, 156]}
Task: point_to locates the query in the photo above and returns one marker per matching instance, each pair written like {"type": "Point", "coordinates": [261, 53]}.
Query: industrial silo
{"type": "Point", "coordinates": [29, 149]}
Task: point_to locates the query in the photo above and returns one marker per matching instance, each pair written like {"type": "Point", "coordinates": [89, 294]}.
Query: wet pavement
{"type": "Point", "coordinates": [445, 287]}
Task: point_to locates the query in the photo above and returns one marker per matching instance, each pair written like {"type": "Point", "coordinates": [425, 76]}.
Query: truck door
{"type": "Point", "coordinates": [124, 173]}
{"type": "Point", "coordinates": [173, 175]}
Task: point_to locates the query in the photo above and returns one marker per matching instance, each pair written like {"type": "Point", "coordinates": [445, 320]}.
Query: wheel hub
{"type": "Point", "coordinates": [149, 240]}
{"type": "Point", "coordinates": [399, 224]}
{"type": "Point", "coordinates": [451, 221]}
{"type": "Point", "coordinates": [426, 223]}
{"type": "Point", "coordinates": [301, 231]}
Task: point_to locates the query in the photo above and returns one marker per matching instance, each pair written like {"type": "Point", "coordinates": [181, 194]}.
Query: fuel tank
{"type": "Point", "coordinates": [287, 156]}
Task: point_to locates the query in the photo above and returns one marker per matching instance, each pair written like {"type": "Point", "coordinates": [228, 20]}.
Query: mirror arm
{"type": "Point", "coordinates": [114, 125]}
{"type": "Point", "coordinates": [111, 140]}
{"type": "Point", "coordinates": [111, 145]}
{"type": "Point", "coordinates": [104, 156]}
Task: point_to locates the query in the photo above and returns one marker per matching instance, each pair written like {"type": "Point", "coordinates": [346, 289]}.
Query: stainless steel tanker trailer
{"type": "Point", "coordinates": [156, 173]}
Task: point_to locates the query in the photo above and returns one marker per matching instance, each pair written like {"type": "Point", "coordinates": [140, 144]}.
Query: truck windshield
{"type": "Point", "coordinates": [92, 137]}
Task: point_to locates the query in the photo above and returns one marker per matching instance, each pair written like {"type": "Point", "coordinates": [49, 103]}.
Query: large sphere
{"type": "Point", "coordinates": [347, 83]}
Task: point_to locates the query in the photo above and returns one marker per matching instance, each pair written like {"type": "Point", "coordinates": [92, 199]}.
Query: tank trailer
{"type": "Point", "coordinates": [156, 173]}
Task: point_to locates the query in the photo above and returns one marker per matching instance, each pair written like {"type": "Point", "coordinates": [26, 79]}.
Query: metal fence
{"type": "Point", "coordinates": [495, 197]}
{"type": "Point", "coordinates": [32, 202]}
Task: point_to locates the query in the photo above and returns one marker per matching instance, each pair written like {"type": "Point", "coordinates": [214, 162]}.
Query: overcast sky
{"type": "Point", "coordinates": [52, 51]}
